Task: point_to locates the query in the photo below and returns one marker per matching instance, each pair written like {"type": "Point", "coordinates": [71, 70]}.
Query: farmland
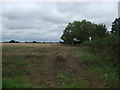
{"type": "Point", "coordinates": [35, 65]}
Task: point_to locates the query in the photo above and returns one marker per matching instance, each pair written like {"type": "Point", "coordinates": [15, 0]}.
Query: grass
{"type": "Point", "coordinates": [15, 62]}
{"type": "Point", "coordinates": [15, 83]}
{"type": "Point", "coordinates": [63, 77]}
{"type": "Point", "coordinates": [107, 73]}
{"type": "Point", "coordinates": [74, 85]}
{"type": "Point", "coordinates": [65, 80]}
{"type": "Point", "coordinates": [87, 58]}
{"type": "Point", "coordinates": [9, 48]}
{"type": "Point", "coordinates": [99, 64]}
{"type": "Point", "coordinates": [21, 61]}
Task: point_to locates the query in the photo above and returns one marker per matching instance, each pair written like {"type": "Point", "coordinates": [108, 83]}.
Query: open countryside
{"type": "Point", "coordinates": [55, 66]}
{"type": "Point", "coordinates": [71, 50]}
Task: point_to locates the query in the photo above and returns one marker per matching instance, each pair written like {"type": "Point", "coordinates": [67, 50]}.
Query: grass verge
{"type": "Point", "coordinates": [65, 80]}
{"type": "Point", "coordinates": [99, 64]}
{"type": "Point", "coordinates": [16, 82]}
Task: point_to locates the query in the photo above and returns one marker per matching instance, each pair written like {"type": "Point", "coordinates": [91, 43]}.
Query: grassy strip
{"type": "Point", "coordinates": [99, 64]}
{"type": "Point", "coordinates": [16, 82]}
{"type": "Point", "coordinates": [65, 80]}
{"type": "Point", "coordinates": [109, 74]}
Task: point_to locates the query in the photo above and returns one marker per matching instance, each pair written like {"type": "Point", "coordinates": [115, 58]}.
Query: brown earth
{"type": "Point", "coordinates": [44, 61]}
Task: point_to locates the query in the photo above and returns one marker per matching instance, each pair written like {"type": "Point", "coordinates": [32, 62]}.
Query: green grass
{"type": "Point", "coordinates": [74, 85]}
{"type": "Point", "coordinates": [99, 64]}
{"type": "Point", "coordinates": [107, 73]}
{"type": "Point", "coordinates": [15, 62]}
{"type": "Point", "coordinates": [63, 77]}
{"type": "Point", "coordinates": [87, 58]}
{"type": "Point", "coordinates": [65, 80]}
{"type": "Point", "coordinates": [94, 61]}
{"type": "Point", "coordinates": [15, 83]}
{"type": "Point", "coordinates": [14, 65]}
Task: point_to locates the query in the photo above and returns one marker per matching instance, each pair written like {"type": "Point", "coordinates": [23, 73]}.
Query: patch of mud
{"type": "Point", "coordinates": [60, 63]}
{"type": "Point", "coordinates": [60, 59]}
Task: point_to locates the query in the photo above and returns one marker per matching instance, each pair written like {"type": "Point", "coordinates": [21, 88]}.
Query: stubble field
{"type": "Point", "coordinates": [32, 65]}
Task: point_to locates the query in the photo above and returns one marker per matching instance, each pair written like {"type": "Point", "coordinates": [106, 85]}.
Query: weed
{"type": "Point", "coordinates": [65, 80]}
{"type": "Point", "coordinates": [98, 64]}
{"type": "Point", "coordinates": [107, 73]}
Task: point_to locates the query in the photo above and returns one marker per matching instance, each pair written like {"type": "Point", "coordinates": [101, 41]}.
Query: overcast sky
{"type": "Point", "coordinates": [46, 21]}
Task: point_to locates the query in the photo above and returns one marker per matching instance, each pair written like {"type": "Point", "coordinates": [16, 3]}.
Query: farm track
{"type": "Point", "coordinates": [49, 60]}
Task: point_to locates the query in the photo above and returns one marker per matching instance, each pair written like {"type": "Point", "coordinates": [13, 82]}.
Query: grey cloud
{"type": "Point", "coordinates": [45, 13]}
{"type": "Point", "coordinates": [46, 21]}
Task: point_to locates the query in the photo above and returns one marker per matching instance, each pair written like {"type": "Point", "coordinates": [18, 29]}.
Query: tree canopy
{"type": "Point", "coordinates": [116, 27]}
{"type": "Point", "coordinates": [82, 30]}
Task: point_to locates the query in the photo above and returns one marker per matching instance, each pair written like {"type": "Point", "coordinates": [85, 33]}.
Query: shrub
{"type": "Point", "coordinates": [109, 41]}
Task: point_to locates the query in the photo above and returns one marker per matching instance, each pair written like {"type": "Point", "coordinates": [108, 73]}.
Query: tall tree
{"type": "Point", "coordinates": [81, 31]}
{"type": "Point", "coordinates": [116, 27]}
{"type": "Point", "coordinates": [67, 34]}
{"type": "Point", "coordinates": [99, 31]}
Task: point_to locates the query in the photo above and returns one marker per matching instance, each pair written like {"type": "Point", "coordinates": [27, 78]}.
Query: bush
{"type": "Point", "coordinates": [101, 43]}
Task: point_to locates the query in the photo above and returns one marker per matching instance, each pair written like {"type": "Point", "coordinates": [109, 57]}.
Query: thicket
{"type": "Point", "coordinates": [100, 38]}
{"type": "Point", "coordinates": [109, 46]}
{"type": "Point", "coordinates": [82, 30]}
{"type": "Point", "coordinates": [110, 41]}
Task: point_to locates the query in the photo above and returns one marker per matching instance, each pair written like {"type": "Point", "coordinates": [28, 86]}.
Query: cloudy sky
{"type": "Point", "coordinates": [45, 21]}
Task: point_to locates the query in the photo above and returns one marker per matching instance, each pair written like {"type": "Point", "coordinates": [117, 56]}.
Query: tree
{"type": "Point", "coordinates": [34, 42]}
{"type": "Point", "coordinates": [81, 31]}
{"type": "Point", "coordinates": [99, 31]}
{"type": "Point", "coordinates": [12, 41]}
{"type": "Point", "coordinates": [17, 42]}
{"type": "Point", "coordinates": [67, 36]}
{"type": "Point", "coordinates": [116, 27]}
{"type": "Point", "coordinates": [77, 31]}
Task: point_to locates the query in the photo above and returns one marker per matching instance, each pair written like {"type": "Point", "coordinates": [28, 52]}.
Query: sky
{"type": "Point", "coordinates": [45, 21]}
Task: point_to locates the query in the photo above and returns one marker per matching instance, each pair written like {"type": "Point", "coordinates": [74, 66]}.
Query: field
{"type": "Point", "coordinates": [55, 66]}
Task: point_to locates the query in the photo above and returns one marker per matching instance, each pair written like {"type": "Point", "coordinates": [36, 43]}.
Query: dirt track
{"type": "Point", "coordinates": [51, 59]}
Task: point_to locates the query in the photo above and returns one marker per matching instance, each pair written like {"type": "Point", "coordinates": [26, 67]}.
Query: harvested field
{"type": "Point", "coordinates": [47, 66]}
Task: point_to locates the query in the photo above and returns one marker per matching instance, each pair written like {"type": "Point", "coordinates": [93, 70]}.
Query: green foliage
{"type": "Point", "coordinates": [109, 74]}
{"type": "Point", "coordinates": [65, 80]}
{"type": "Point", "coordinates": [110, 46]}
{"type": "Point", "coordinates": [110, 40]}
{"type": "Point", "coordinates": [99, 31]}
{"type": "Point", "coordinates": [101, 65]}
{"type": "Point", "coordinates": [63, 77]}
{"type": "Point", "coordinates": [81, 31]}
{"type": "Point", "coordinates": [116, 27]}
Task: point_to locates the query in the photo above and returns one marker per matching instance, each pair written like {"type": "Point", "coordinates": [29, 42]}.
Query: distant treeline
{"type": "Point", "coordinates": [14, 41]}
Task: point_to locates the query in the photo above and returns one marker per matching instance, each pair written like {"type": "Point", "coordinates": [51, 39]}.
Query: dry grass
{"type": "Point", "coordinates": [41, 64]}
{"type": "Point", "coordinates": [29, 44]}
